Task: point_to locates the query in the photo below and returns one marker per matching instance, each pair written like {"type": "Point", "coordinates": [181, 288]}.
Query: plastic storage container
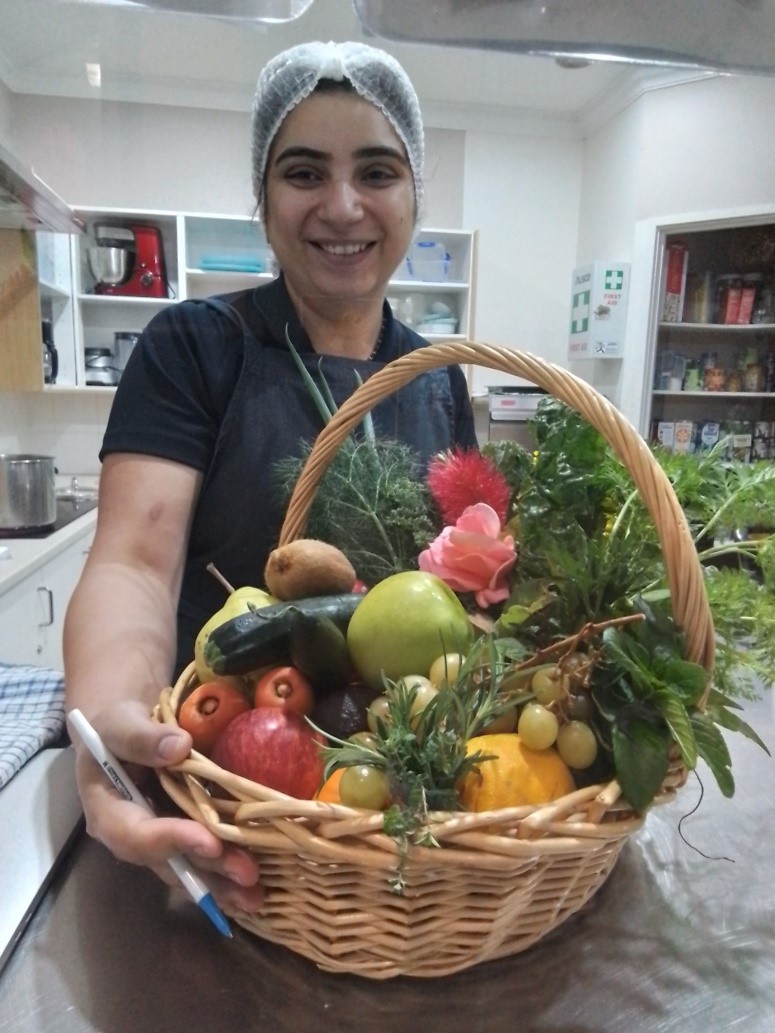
{"type": "Point", "coordinates": [428, 261]}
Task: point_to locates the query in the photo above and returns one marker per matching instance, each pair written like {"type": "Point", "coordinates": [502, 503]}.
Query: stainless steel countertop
{"type": "Point", "coordinates": [674, 942]}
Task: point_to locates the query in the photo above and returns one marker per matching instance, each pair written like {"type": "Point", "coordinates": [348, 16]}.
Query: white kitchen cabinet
{"type": "Point", "coordinates": [32, 612]}
{"type": "Point", "coordinates": [214, 254]}
{"type": "Point", "coordinates": [675, 353]}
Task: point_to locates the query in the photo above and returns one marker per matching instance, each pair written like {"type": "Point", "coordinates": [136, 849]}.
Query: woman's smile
{"type": "Point", "coordinates": [343, 250]}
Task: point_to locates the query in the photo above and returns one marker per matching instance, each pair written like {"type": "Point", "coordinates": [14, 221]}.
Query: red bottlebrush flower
{"type": "Point", "coordinates": [461, 478]}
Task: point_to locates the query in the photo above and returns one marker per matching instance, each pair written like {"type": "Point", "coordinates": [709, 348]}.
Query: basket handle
{"type": "Point", "coordinates": [684, 572]}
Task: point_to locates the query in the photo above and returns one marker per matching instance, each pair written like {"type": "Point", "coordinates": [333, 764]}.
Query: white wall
{"type": "Point", "coordinates": [522, 193]}
{"type": "Point", "coordinates": [106, 154]}
{"type": "Point", "coordinates": [610, 189]}
{"type": "Point", "coordinates": [708, 145]}
{"type": "Point", "coordinates": [67, 426]}
{"type": "Point", "coordinates": [5, 114]}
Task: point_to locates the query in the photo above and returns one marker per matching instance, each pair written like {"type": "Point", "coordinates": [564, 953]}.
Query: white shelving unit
{"type": "Point", "coordinates": [216, 254]}
{"type": "Point", "coordinates": [413, 299]}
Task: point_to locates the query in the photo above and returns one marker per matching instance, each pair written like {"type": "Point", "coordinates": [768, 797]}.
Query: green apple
{"type": "Point", "coordinates": [403, 624]}
{"type": "Point", "coordinates": [240, 601]}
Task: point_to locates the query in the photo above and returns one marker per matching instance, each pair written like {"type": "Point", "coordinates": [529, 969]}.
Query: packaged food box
{"type": "Point", "coordinates": [676, 263]}
{"type": "Point", "coordinates": [730, 292]}
{"type": "Point", "coordinates": [698, 305]}
{"type": "Point", "coordinates": [762, 445]}
{"type": "Point", "coordinates": [740, 440]}
{"type": "Point", "coordinates": [665, 433]}
{"type": "Point", "coordinates": [683, 439]}
{"type": "Point", "coordinates": [708, 435]}
{"type": "Point", "coordinates": [747, 299]}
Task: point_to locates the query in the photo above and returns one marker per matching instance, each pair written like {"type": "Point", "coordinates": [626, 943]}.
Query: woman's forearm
{"type": "Point", "coordinates": [119, 636]}
{"type": "Point", "coordinates": [120, 627]}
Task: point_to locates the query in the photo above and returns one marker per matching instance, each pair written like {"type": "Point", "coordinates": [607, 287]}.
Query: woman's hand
{"type": "Point", "coordinates": [133, 835]}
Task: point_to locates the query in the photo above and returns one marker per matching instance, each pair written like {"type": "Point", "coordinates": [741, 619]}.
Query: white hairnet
{"type": "Point", "coordinates": [375, 75]}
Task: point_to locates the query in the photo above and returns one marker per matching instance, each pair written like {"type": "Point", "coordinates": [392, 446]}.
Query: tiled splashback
{"type": "Point", "coordinates": [68, 426]}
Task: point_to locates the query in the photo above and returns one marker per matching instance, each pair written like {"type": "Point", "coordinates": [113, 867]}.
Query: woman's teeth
{"type": "Point", "coordinates": [344, 249]}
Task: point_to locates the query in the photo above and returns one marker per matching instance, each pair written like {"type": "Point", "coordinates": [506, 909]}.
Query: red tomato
{"type": "Point", "coordinates": [286, 688]}
{"type": "Point", "coordinates": [206, 712]}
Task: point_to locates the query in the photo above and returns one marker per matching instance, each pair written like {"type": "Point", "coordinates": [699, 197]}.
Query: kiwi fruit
{"type": "Point", "coordinates": [308, 567]}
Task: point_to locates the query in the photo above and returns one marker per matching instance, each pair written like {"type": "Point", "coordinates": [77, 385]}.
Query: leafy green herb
{"type": "Point", "coordinates": [372, 502]}
{"type": "Point", "coordinates": [581, 525]}
{"type": "Point", "coordinates": [642, 757]}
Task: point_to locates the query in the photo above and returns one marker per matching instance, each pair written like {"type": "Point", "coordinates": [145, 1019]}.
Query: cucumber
{"type": "Point", "coordinates": [263, 636]}
{"type": "Point", "coordinates": [318, 648]}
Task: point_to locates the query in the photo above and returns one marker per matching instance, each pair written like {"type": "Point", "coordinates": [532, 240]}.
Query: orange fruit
{"type": "Point", "coordinates": [515, 776]}
{"type": "Point", "coordinates": [329, 791]}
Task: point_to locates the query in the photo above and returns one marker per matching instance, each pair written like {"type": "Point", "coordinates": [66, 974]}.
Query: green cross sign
{"type": "Point", "coordinates": [614, 279]}
{"type": "Point", "coordinates": [579, 321]}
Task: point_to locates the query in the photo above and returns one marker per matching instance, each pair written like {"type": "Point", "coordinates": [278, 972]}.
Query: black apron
{"type": "Point", "coordinates": [271, 414]}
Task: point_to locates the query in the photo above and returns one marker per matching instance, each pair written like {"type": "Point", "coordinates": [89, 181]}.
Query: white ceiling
{"type": "Point", "coordinates": [172, 58]}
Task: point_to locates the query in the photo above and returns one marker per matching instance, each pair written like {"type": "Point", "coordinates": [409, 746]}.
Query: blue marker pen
{"type": "Point", "coordinates": [112, 767]}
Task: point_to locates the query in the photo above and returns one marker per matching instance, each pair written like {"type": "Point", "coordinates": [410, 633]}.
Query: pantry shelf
{"type": "Point", "coordinates": [735, 328]}
{"type": "Point", "coordinates": [714, 395]}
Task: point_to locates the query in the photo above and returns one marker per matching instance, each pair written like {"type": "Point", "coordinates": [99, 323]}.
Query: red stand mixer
{"type": "Point", "coordinates": [128, 260]}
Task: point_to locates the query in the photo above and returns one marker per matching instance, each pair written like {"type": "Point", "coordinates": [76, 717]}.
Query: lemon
{"type": "Point", "coordinates": [514, 777]}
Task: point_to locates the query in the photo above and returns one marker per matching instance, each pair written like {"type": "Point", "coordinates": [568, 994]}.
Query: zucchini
{"type": "Point", "coordinates": [318, 648]}
{"type": "Point", "coordinates": [263, 636]}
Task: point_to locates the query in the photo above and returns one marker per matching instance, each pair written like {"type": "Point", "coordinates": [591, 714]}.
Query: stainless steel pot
{"type": "Point", "coordinates": [27, 492]}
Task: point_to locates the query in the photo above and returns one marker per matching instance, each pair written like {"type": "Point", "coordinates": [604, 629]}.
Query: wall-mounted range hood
{"type": "Point", "coordinates": [27, 203]}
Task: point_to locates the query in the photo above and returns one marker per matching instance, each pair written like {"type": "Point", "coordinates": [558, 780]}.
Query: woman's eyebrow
{"type": "Point", "coordinates": [375, 151]}
{"type": "Point", "coordinates": [381, 151]}
{"type": "Point", "coordinates": [301, 152]}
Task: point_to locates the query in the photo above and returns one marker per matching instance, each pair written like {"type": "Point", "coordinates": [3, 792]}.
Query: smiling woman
{"type": "Point", "coordinates": [212, 400]}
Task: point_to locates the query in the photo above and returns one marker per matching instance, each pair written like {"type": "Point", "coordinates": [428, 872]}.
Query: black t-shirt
{"type": "Point", "coordinates": [174, 393]}
{"type": "Point", "coordinates": [211, 384]}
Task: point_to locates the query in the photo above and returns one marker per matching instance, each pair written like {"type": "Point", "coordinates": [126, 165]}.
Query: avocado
{"type": "Point", "coordinates": [342, 712]}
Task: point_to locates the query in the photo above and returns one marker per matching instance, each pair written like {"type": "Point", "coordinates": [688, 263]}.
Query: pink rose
{"type": "Point", "coordinates": [472, 556]}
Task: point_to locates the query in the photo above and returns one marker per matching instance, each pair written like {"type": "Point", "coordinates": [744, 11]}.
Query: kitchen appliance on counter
{"type": "Point", "coordinates": [27, 493]}
{"type": "Point", "coordinates": [128, 261]}
{"type": "Point", "coordinates": [123, 344]}
{"type": "Point", "coordinates": [102, 369]}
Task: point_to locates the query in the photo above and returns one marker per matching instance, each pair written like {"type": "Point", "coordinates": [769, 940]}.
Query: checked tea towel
{"type": "Point", "coordinates": [32, 714]}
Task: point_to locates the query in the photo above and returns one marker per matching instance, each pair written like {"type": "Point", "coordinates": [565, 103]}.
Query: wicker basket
{"type": "Point", "coordinates": [500, 880]}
